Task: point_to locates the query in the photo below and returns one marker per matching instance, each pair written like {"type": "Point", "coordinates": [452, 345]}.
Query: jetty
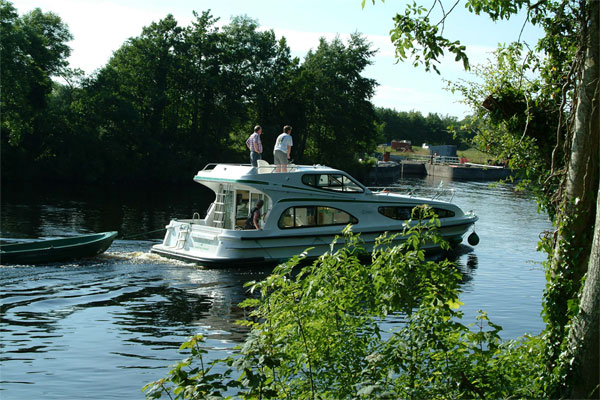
{"type": "Point", "coordinates": [451, 168]}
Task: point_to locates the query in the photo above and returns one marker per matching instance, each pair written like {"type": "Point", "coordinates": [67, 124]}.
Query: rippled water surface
{"type": "Point", "coordinates": [102, 328]}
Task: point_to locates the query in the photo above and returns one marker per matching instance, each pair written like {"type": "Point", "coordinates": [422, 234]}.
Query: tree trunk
{"type": "Point", "coordinates": [576, 212]}
{"type": "Point", "coordinates": [583, 379]}
{"type": "Point", "coordinates": [582, 175]}
{"type": "Point", "coordinates": [577, 251]}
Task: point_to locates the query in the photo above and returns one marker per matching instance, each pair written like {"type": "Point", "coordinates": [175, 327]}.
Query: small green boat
{"type": "Point", "coordinates": [53, 250]}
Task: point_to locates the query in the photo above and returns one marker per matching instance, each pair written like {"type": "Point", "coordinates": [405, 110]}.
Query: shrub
{"type": "Point", "coordinates": [316, 332]}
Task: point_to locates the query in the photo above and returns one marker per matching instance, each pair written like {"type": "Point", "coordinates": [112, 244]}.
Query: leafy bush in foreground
{"type": "Point", "coordinates": [317, 333]}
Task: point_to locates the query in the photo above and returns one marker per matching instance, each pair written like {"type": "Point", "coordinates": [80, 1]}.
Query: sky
{"type": "Point", "coordinates": [100, 27]}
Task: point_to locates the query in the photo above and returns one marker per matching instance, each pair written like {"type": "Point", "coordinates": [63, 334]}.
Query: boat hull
{"type": "Point", "coordinates": [246, 248]}
{"type": "Point", "coordinates": [55, 250]}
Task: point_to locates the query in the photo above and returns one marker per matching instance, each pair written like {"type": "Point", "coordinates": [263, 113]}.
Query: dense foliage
{"type": "Point", "coordinates": [175, 98]}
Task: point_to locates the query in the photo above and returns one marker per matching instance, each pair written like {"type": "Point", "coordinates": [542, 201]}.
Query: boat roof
{"type": "Point", "coordinates": [287, 185]}
{"type": "Point", "coordinates": [212, 175]}
{"type": "Point", "coordinates": [246, 170]}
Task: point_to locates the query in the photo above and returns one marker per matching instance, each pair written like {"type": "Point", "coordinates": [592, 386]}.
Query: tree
{"type": "Point", "coordinates": [432, 129]}
{"type": "Point", "coordinates": [570, 72]}
{"type": "Point", "coordinates": [259, 77]}
{"type": "Point", "coordinates": [513, 116]}
{"type": "Point", "coordinates": [145, 68]}
{"type": "Point", "coordinates": [34, 49]}
{"type": "Point", "coordinates": [173, 98]}
{"type": "Point", "coordinates": [339, 112]}
{"type": "Point", "coordinates": [576, 249]}
{"type": "Point", "coordinates": [176, 97]}
{"type": "Point", "coordinates": [197, 85]}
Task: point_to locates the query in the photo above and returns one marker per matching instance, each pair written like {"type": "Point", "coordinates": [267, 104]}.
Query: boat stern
{"type": "Point", "coordinates": [187, 235]}
{"type": "Point", "coordinates": [199, 243]}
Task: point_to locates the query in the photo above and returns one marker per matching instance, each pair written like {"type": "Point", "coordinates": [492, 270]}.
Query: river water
{"type": "Point", "coordinates": [104, 327]}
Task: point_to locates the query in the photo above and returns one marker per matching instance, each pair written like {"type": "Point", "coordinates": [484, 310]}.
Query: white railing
{"type": "Point", "coordinates": [439, 192]}
{"type": "Point", "coordinates": [435, 159]}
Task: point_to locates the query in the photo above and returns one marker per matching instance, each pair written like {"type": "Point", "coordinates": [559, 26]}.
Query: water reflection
{"type": "Point", "coordinates": [472, 261]}
{"type": "Point", "coordinates": [463, 257]}
{"type": "Point", "coordinates": [127, 313]}
{"type": "Point", "coordinates": [136, 298]}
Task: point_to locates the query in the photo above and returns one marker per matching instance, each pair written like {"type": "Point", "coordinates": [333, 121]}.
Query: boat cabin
{"type": "Point", "coordinates": [232, 207]}
{"type": "Point", "coordinates": [238, 190]}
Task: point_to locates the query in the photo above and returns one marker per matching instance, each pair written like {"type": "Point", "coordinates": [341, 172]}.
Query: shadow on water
{"type": "Point", "coordinates": [465, 259]}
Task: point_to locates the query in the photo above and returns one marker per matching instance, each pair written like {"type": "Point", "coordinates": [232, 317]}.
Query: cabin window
{"type": "Point", "coordinates": [400, 213]}
{"type": "Point", "coordinates": [242, 201]}
{"type": "Point", "coordinates": [442, 213]}
{"type": "Point", "coordinates": [404, 212]}
{"type": "Point", "coordinates": [245, 201]}
{"type": "Point", "coordinates": [335, 182]}
{"type": "Point", "coordinates": [307, 216]}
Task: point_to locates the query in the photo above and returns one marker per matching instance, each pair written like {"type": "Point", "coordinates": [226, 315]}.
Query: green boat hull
{"type": "Point", "coordinates": [54, 250]}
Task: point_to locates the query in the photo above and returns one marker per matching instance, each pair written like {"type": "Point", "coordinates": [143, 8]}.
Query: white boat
{"type": "Point", "coordinates": [304, 207]}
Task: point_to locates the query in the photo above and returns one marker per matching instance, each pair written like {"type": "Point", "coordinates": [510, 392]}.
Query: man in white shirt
{"type": "Point", "coordinates": [282, 149]}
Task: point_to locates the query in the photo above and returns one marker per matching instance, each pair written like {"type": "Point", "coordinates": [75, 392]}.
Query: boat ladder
{"type": "Point", "coordinates": [182, 235]}
{"type": "Point", "coordinates": [219, 211]}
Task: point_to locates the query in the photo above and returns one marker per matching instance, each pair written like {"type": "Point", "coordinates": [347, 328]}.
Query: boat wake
{"type": "Point", "coordinates": [143, 257]}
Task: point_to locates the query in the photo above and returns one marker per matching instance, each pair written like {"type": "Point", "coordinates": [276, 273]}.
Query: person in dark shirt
{"type": "Point", "coordinates": [252, 221]}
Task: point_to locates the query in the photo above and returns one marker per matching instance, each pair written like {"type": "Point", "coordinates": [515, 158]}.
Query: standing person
{"type": "Point", "coordinates": [255, 146]}
{"type": "Point", "coordinates": [252, 221]}
{"type": "Point", "coordinates": [283, 149]}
